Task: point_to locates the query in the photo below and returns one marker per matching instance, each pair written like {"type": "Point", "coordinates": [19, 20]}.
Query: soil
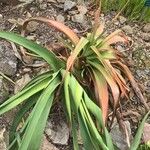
{"type": "Point", "coordinates": [137, 55]}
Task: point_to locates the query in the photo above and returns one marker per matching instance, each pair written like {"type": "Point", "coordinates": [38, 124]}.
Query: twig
{"type": "Point", "coordinates": [7, 78]}
{"type": "Point", "coordinates": [120, 11]}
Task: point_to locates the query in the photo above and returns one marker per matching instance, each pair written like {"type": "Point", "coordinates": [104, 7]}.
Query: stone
{"type": "Point", "coordinates": [15, 2]}
{"type": "Point", "coordinates": [122, 19]}
{"type": "Point", "coordinates": [18, 22]}
{"type": "Point", "coordinates": [128, 29]}
{"type": "Point", "coordinates": [120, 48]}
{"type": "Point", "coordinates": [146, 133]}
{"type": "Point", "coordinates": [119, 138]}
{"type": "Point", "coordinates": [116, 22]}
{"type": "Point", "coordinates": [26, 1]}
{"type": "Point", "coordinates": [32, 26]}
{"type": "Point", "coordinates": [51, 1]}
{"type": "Point", "coordinates": [82, 9]}
{"type": "Point", "coordinates": [146, 37]}
{"type": "Point", "coordinates": [4, 90]}
{"type": "Point", "coordinates": [11, 2]}
{"type": "Point", "coordinates": [2, 142]}
{"type": "Point", "coordinates": [58, 132]}
{"type": "Point", "coordinates": [43, 6]}
{"type": "Point", "coordinates": [1, 17]}
{"type": "Point", "coordinates": [60, 18]}
{"type": "Point", "coordinates": [146, 28]}
{"type": "Point", "coordinates": [21, 83]}
{"type": "Point", "coordinates": [68, 5]}
{"type": "Point", "coordinates": [61, 1]}
{"type": "Point", "coordinates": [46, 145]}
{"type": "Point", "coordinates": [39, 1]}
{"type": "Point", "coordinates": [72, 12]}
{"type": "Point", "coordinates": [8, 61]}
{"type": "Point", "coordinates": [141, 73]}
{"type": "Point", "coordinates": [79, 18]}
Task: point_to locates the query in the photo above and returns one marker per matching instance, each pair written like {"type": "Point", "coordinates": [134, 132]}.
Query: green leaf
{"type": "Point", "coordinates": [94, 109]}
{"type": "Point", "coordinates": [39, 115]}
{"type": "Point", "coordinates": [39, 78]}
{"type": "Point", "coordinates": [108, 140]}
{"type": "Point", "coordinates": [86, 121]}
{"type": "Point", "coordinates": [138, 135]}
{"type": "Point", "coordinates": [85, 133]}
{"type": "Point", "coordinates": [94, 132]}
{"type": "Point", "coordinates": [23, 95]}
{"type": "Point", "coordinates": [49, 56]}
{"type": "Point", "coordinates": [67, 96]}
{"type": "Point", "coordinates": [76, 91]}
{"type": "Point", "coordinates": [74, 134]}
{"type": "Point", "coordinates": [20, 115]}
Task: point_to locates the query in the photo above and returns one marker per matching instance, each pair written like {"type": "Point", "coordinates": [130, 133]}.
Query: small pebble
{"type": "Point", "coordinates": [128, 29]}
{"type": "Point", "coordinates": [146, 28]}
{"type": "Point", "coordinates": [68, 5]}
{"type": "Point", "coordinates": [60, 18]}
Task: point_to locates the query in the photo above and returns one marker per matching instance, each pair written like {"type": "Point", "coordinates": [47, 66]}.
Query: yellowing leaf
{"type": "Point", "coordinates": [99, 30]}
{"type": "Point", "coordinates": [101, 88]}
{"type": "Point", "coordinates": [76, 51]}
{"type": "Point", "coordinates": [115, 37]}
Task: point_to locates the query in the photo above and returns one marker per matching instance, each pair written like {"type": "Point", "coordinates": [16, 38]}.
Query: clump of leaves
{"type": "Point", "coordinates": [85, 82]}
{"type": "Point", "coordinates": [134, 9]}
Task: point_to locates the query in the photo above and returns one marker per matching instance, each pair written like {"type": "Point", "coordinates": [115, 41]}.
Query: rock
{"type": "Point", "coordinates": [57, 133]}
{"type": "Point", "coordinates": [18, 22]}
{"type": "Point", "coordinates": [72, 12]}
{"type": "Point", "coordinates": [51, 1]}
{"type": "Point", "coordinates": [26, 1]}
{"type": "Point", "coordinates": [128, 29]}
{"type": "Point", "coordinates": [116, 22]}
{"type": "Point", "coordinates": [1, 17]}
{"type": "Point", "coordinates": [8, 61]}
{"type": "Point", "coordinates": [43, 6]}
{"type": "Point", "coordinates": [82, 9]}
{"type": "Point", "coordinates": [120, 48]}
{"type": "Point", "coordinates": [122, 19]}
{"type": "Point", "coordinates": [15, 2]}
{"type": "Point", "coordinates": [21, 83]}
{"type": "Point", "coordinates": [61, 1]}
{"type": "Point", "coordinates": [119, 138]}
{"type": "Point", "coordinates": [32, 26]}
{"type": "Point", "coordinates": [39, 1]}
{"type": "Point", "coordinates": [4, 90]}
{"type": "Point", "coordinates": [79, 18]}
{"type": "Point", "coordinates": [68, 5]}
{"type": "Point", "coordinates": [2, 142]}
{"type": "Point", "coordinates": [11, 2]}
{"type": "Point", "coordinates": [146, 37]}
{"type": "Point", "coordinates": [141, 73]}
{"type": "Point", "coordinates": [146, 133]}
{"type": "Point", "coordinates": [60, 18]}
{"type": "Point", "coordinates": [46, 145]}
{"type": "Point", "coordinates": [146, 28]}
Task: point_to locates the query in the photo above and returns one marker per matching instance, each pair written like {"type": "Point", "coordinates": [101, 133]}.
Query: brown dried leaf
{"type": "Point", "coordinates": [58, 25]}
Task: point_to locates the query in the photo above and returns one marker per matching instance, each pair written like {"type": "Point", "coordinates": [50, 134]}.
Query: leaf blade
{"type": "Point", "coordinates": [49, 56]}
